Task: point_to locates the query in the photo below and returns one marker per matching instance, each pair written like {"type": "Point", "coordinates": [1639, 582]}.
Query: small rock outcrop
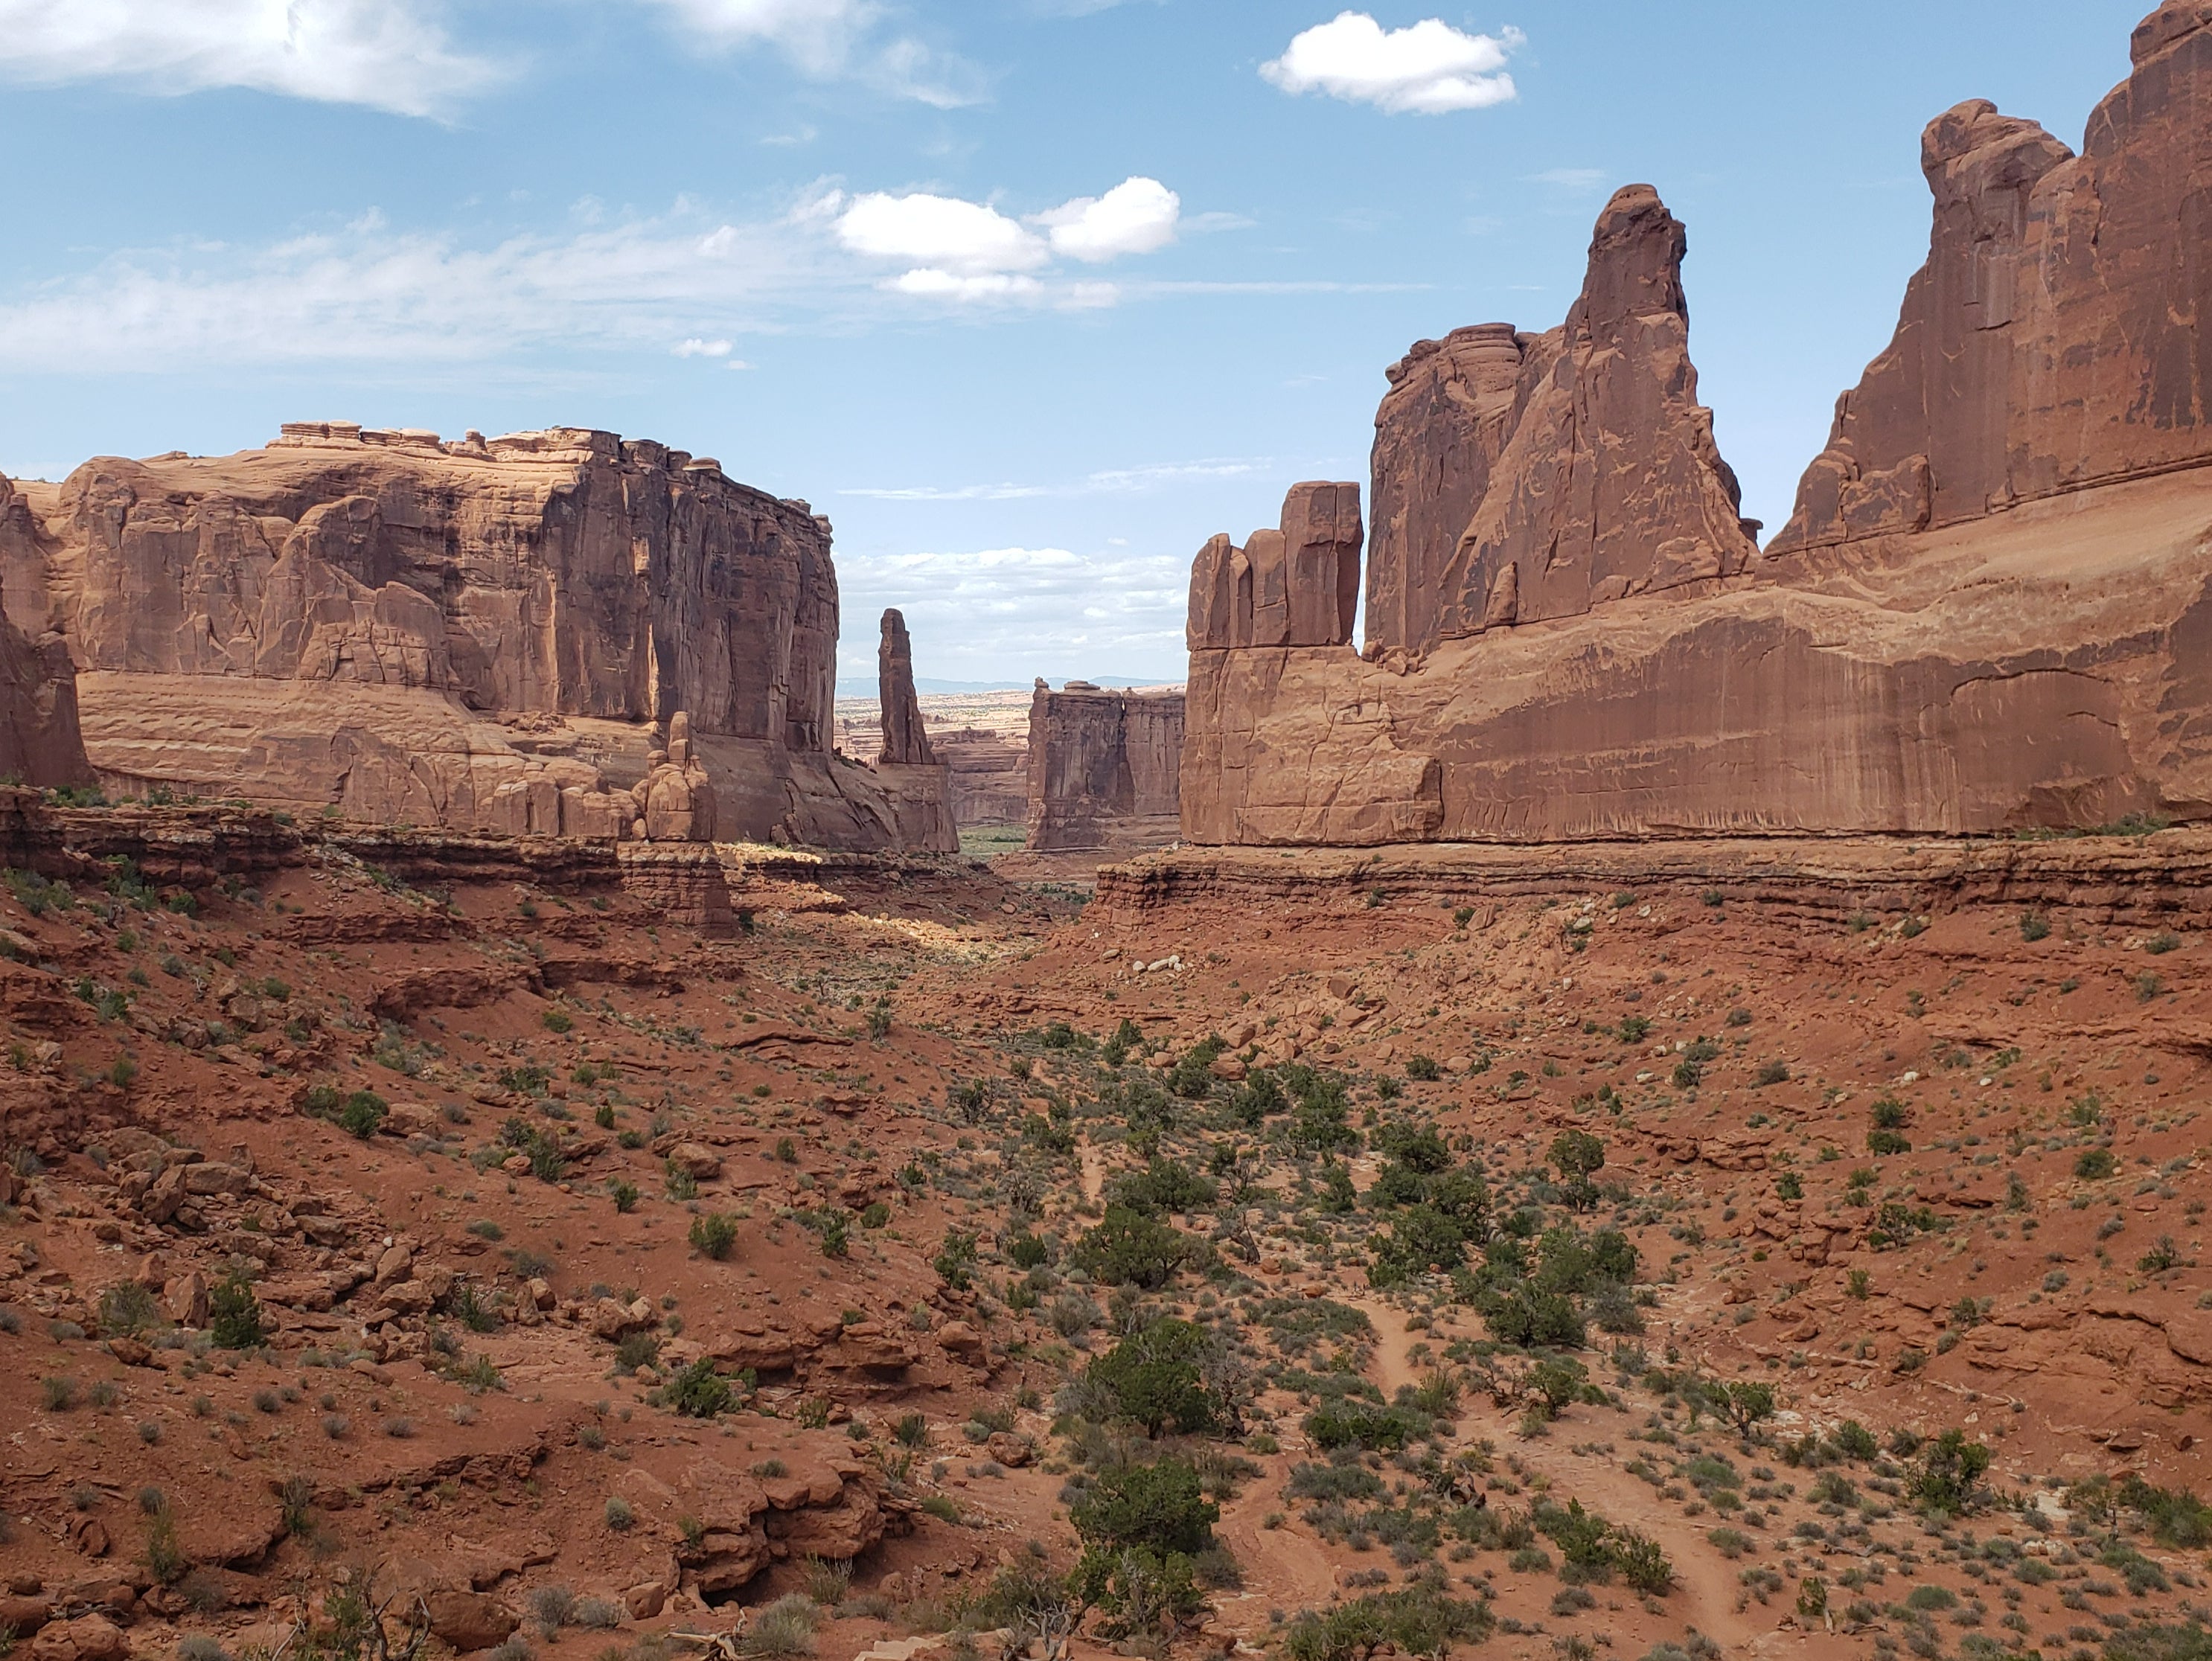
{"type": "Point", "coordinates": [1295, 587]}
{"type": "Point", "coordinates": [1104, 767]}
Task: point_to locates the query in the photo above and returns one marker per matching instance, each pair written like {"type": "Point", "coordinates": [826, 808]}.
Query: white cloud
{"type": "Point", "coordinates": [968, 252]}
{"type": "Point", "coordinates": [988, 287]}
{"type": "Point", "coordinates": [1579, 179]}
{"type": "Point", "coordinates": [387, 54]}
{"type": "Point", "coordinates": [375, 296]}
{"type": "Point", "coordinates": [943, 233]}
{"type": "Point", "coordinates": [1137, 217]}
{"type": "Point", "coordinates": [831, 39]}
{"type": "Point", "coordinates": [1430, 69]}
{"type": "Point", "coordinates": [696, 348]}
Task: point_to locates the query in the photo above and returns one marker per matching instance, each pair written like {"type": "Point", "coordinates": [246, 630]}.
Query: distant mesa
{"type": "Point", "coordinates": [517, 634]}
{"type": "Point", "coordinates": [1988, 610]}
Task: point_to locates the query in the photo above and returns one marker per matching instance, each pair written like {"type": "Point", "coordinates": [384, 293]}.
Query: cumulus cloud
{"type": "Point", "coordinates": [830, 39]}
{"type": "Point", "coordinates": [387, 54]}
{"type": "Point", "coordinates": [965, 239]}
{"type": "Point", "coordinates": [1429, 68]}
{"type": "Point", "coordinates": [1137, 217]}
{"type": "Point", "coordinates": [696, 348]}
{"type": "Point", "coordinates": [977, 612]}
{"type": "Point", "coordinates": [969, 251]}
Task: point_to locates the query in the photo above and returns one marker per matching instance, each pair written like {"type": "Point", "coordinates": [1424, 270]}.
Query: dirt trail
{"type": "Point", "coordinates": [1705, 1591]}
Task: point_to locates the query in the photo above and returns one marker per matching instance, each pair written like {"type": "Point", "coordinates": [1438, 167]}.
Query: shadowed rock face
{"type": "Point", "coordinates": [1104, 768]}
{"type": "Point", "coordinates": [919, 787]}
{"type": "Point", "coordinates": [904, 742]}
{"type": "Point", "coordinates": [39, 740]}
{"type": "Point", "coordinates": [479, 634]}
{"type": "Point", "coordinates": [2056, 338]}
{"type": "Point", "coordinates": [1523, 477]}
{"type": "Point", "coordinates": [1602, 653]}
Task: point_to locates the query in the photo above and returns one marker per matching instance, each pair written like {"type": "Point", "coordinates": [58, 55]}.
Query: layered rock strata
{"type": "Point", "coordinates": [1104, 768]}
{"type": "Point", "coordinates": [990, 775]}
{"type": "Point", "coordinates": [1989, 612]}
{"type": "Point", "coordinates": [480, 633]}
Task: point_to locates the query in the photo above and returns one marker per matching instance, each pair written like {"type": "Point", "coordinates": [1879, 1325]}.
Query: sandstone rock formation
{"type": "Point", "coordinates": [905, 744]}
{"type": "Point", "coordinates": [917, 785]}
{"type": "Point", "coordinates": [2054, 340]}
{"type": "Point", "coordinates": [1105, 767]}
{"type": "Point", "coordinates": [1296, 586]}
{"type": "Point", "coordinates": [1584, 466]}
{"type": "Point", "coordinates": [990, 775]}
{"type": "Point", "coordinates": [1907, 658]}
{"type": "Point", "coordinates": [479, 634]}
{"type": "Point", "coordinates": [39, 740]}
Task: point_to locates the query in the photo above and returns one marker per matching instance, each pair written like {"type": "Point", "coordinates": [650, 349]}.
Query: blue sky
{"type": "Point", "coordinates": [1030, 296]}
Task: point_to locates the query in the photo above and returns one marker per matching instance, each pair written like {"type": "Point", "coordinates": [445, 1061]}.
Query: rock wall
{"type": "Point", "coordinates": [40, 742]}
{"type": "Point", "coordinates": [1104, 768]}
{"type": "Point", "coordinates": [1990, 611]}
{"type": "Point", "coordinates": [990, 775]}
{"type": "Point", "coordinates": [475, 633]}
{"type": "Point", "coordinates": [2055, 340]}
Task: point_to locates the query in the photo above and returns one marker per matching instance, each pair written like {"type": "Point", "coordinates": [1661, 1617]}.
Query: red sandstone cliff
{"type": "Point", "coordinates": [40, 742]}
{"type": "Point", "coordinates": [478, 633]}
{"type": "Point", "coordinates": [2056, 338]}
{"type": "Point", "coordinates": [1566, 469]}
{"type": "Point", "coordinates": [1908, 658]}
{"type": "Point", "coordinates": [1104, 768]}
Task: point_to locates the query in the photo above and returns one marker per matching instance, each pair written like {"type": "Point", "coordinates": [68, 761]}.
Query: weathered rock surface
{"type": "Point", "coordinates": [990, 775]}
{"type": "Point", "coordinates": [40, 741]}
{"type": "Point", "coordinates": [919, 786]}
{"type": "Point", "coordinates": [1602, 655]}
{"type": "Point", "coordinates": [1105, 767]}
{"type": "Point", "coordinates": [1568, 468]}
{"type": "Point", "coordinates": [905, 743]}
{"type": "Point", "coordinates": [2054, 340]}
{"type": "Point", "coordinates": [1295, 587]}
{"type": "Point", "coordinates": [476, 634]}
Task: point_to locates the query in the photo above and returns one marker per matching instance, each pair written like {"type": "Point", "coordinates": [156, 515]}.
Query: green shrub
{"type": "Point", "coordinates": [234, 1314]}
{"type": "Point", "coordinates": [1128, 1248]}
{"type": "Point", "coordinates": [698, 1391]}
{"type": "Point", "coordinates": [2094, 1164]}
{"type": "Point", "coordinates": [715, 1235]}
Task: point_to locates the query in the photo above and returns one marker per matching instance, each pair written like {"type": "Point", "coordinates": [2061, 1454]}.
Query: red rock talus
{"type": "Point", "coordinates": [478, 633]}
{"type": "Point", "coordinates": [1912, 661]}
{"type": "Point", "coordinates": [2057, 336]}
{"type": "Point", "coordinates": [1104, 768]}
